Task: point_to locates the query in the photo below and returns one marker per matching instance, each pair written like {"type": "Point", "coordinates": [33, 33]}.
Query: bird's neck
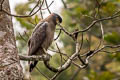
{"type": "Point", "coordinates": [51, 19]}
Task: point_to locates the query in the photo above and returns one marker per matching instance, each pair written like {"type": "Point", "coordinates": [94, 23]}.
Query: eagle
{"type": "Point", "coordinates": [42, 37]}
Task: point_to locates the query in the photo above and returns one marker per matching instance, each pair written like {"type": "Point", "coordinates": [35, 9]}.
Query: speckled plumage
{"type": "Point", "coordinates": [42, 37]}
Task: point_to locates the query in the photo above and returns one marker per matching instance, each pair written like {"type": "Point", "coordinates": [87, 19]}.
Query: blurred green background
{"type": "Point", "coordinates": [78, 15]}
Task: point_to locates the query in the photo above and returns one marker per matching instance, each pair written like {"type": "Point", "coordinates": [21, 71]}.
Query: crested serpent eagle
{"type": "Point", "coordinates": [42, 37]}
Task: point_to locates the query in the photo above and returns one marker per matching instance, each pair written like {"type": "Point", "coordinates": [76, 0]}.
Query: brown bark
{"type": "Point", "coordinates": [10, 68]}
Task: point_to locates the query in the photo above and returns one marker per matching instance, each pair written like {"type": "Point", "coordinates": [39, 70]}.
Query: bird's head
{"type": "Point", "coordinates": [57, 18]}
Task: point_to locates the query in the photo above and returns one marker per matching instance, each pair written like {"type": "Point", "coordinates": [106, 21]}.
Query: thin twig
{"type": "Point", "coordinates": [94, 22]}
{"type": "Point", "coordinates": [110, 51]}
{"type": "Point", "coordinates": [89, 44]}
{"type": "Point", "coordinates": [75, 74]}
{"type": "Point", "coordinates": [64, 4]}
{"type": "Point", "coordinates": [65, 31]}
{"type": "Point", "coordinates": [34, 7]}
{"type": "Point", "coordinates": [41, 12]}
{"type": "Point", "coordinates": [47, 6]}
{"type": "Point", "coordinates": [45, 9]}
{"type": "Point", "coordinates": [60, 53]}
{"type": "Point", "coordinates": [22, 37]}
{"type": "Point", "coordinates": [42, 73]}
{"type": "Point", "coordinates": [26, 34]}
{"type": "Point", "coordinates": [54, 77]}
{"type": "Point", "coordinates": [79, 51]}
{"type": "Point", "coordinates": [22, 16]}
{"type": "Point", "coordinates": [101, 25]}
{"type": "Point", "coordinates": [98, 50]}
{"type": "Point", "coordinates": [58, 35]}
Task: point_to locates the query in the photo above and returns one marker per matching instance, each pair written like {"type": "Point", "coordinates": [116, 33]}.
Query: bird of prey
{"type": "Point", "coordinates": [42, 37]}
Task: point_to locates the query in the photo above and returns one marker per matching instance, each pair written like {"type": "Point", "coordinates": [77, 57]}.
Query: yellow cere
{"type": "Point", "coordinates": [57, 20]}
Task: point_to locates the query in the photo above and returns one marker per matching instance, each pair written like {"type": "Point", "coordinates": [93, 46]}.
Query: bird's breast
{"type": "Point", "coordinates": [49, 37]}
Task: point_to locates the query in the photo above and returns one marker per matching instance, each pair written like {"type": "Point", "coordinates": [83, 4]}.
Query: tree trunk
{"type": "Point", "coordinates": [10, 68]}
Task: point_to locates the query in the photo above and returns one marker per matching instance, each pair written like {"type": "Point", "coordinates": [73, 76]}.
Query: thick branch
{"type": "Point", "coordinates": [34, 58]}
{"type": "Point", "coordinates": [65, 65]}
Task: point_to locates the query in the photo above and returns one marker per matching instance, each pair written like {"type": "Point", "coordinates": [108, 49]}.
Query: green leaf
{"type": "Point", "coordinates": [36, 19]}
{"type": "Point", "coordinates": [113, 38]}
{"type": "Point", "coordinates": [24, 23]}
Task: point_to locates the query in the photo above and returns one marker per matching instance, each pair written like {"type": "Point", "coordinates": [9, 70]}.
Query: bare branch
{"type": "Point", "coordinates": [96, 21]}
{"type": "Point", "coordinates": [58, 35]}
{"type": "Point", "coordinates": [55, 76]}
{"type": "Point", "coordinates": [79, 51]}
{"type": "Point", "coordinates": [23, 16]}
{"type": "Point", "coordinates": [64, 30]}
{"type": "Point", "coordinates": [75, 74]}
{"type": "Point", "coordinates": [98, 50]}
{"type": "Point", "coordinates": [41, 12]}
{"type": "Point", "coordinates": [60, 53]}
{"type": "Point", "coordinates": [22, 37]}
{"type": "Point", "coordinates": [110, 51]}
{"type": "Point", "coordinates": [47, 6]}
{"type": "Point", "coordinates": [65, 65]}
{"type": "Point", "coordinates": [42, 73]}
{"type": "Point", "coordinates": [64, 4]}
{"type": "Point", "coordinates": [34, 58]}
{"type": "Point", "coordinates": [26, 34]}
{"type": "Point", "coordinates": [34, 7]}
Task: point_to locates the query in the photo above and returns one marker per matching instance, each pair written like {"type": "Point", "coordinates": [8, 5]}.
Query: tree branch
{"type": "Point", "coordinates": [34, 58]}
{"type": "Point", "coordinates": [96, 21]}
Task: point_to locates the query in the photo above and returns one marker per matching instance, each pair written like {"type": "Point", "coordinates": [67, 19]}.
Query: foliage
{"type": "Point", "coordinates": [78, 15]}
{"type": "Point", "coordinates": [113, 38]}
